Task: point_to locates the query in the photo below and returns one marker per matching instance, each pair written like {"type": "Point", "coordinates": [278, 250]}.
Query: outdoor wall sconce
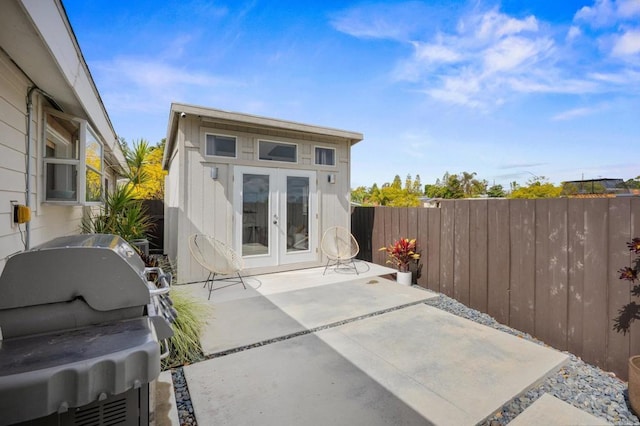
{"type": "Point", "coordinates": [213, 172]}
{"type": "Point", "coordinates": [331, 178]}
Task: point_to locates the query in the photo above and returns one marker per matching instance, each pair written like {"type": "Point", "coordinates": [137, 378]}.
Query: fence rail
{"type": "Point", "coordinates": [546, 267]}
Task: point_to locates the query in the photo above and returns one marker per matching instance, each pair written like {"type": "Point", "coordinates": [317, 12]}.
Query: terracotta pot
{"type": "Point", "coordinates": [634, 383]}
{"type": "Point", "coordinates": [404, 278]}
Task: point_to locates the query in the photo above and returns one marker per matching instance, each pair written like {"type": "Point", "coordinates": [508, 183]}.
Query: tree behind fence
{"type": "Point", "coordinates": [547, 267]}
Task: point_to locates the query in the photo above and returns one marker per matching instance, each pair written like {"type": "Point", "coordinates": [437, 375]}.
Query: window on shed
{"type": "Point", "coordinates": [220, 146]}
{"type": "Point", "coordinates": [73, 161]}
{"type": "Point", "coordinates": [278, 151]}
{"type": "Point", "coordinates": [325, 156]}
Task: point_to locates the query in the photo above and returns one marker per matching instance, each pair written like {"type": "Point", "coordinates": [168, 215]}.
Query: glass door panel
{"type": "Point", "coordinates": [297, 213]}
{"type": "Point", "coordinates": [275, 216]}
{"type": "Point", "coordinates": [255, 214]}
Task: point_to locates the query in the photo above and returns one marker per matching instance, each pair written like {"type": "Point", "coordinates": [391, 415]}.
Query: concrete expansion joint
{"type": "Point", "coordinates": [310, 331]}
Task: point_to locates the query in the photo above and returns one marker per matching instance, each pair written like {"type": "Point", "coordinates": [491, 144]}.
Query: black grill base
{"type": "Point", "coordinates": [130, 408]}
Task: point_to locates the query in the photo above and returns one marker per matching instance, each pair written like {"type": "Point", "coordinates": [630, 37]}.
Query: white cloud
{"type": "Point", "coordinates": [483, 59]}
{"type": "Point", "coordinates": [474, 64]}
{"type": "Point", "coordinates": [155, 74]}
{"type": "Point", "coordinates": [460, 89]}
{"type": "Point", "coordinates": [492, 25]}
{"type": "Point", "coordinates": [623, 78]}
{"type": "Point", "coordinates": [136, 84]}
{"type": "Point", "coordinates": [574, 32]}
{"type": "Point", "coordinates": [627, 44]}
{"type": "Point", "coordinates": [511, 52]}
{"type": "Point", "coordinates": [600, 14]}
{"type": "Point", "coordinates": [435, 53]}
{"type": "Point", "coordinates": [381, 21]}
{"type": "Point", "coordinates": [629, 8]}
{"type": "Point", "coordinates": [550, 84]}
{"type": "Point", "coordinates": [606, 13]}
{"type": "Point", "coordinates": [575, 113]}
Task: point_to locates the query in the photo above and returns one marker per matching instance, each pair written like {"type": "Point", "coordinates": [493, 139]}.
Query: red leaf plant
{"type": "Point", "coordinates": [401, 253]}
{"type": "Point", "coordinates": [631, 311]}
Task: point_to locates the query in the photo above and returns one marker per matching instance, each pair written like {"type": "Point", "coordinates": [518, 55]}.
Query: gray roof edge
{"type": "Point", "coordinates": [266, 122]}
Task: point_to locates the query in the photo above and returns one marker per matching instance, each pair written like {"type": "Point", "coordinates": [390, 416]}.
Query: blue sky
{"type": "Point", "coordinates": [506, 89]}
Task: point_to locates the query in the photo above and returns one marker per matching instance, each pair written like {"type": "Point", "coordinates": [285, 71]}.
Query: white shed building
{"type": "Point", "coordinates": [266, 187]}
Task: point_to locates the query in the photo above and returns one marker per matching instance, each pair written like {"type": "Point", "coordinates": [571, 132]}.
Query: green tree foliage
{"type": "Point", "coordinates": [538, 187]}
{"type": "Point", "coordinates": [359, 195]}
{"type": "Point", "coordinates": [633, 183]}
{"type": "Point", "coordinates": [463, 185]}
{"type": "Point", "coordinates": [496, 191]}
{"type": "Point", "coordinates": [390, 194]}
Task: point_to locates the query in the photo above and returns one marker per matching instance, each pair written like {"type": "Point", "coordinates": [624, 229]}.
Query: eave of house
{"type": "Point", "coordinates": [257, 122]}
{"type": "Point", "coordinates": [38, 38]}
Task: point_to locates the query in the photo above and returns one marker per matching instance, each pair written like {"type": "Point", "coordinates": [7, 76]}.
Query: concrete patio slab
{"type": "Point", "coordinates": [242, 322]}
{"type": "Point", "coordinates": [312, 277]}
{"type": "Point", "coordinates": [550, 411]}
{"type": "Point", "coordinates": [166, 409]}
{"type": "Point", "coordinates": [475, 369]}
{"type": "Point", "coordinates": [322, 305]}
{"type": "Point", "coordinates": [415, 365]}
{"type": "Point", "coordinates": [300, 381]}
{"type": "Point", "coordinates": [250, 317]}
{"type": "Point", "coordinates": [281, 282]}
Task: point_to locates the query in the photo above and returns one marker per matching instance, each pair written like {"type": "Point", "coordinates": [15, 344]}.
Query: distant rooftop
{"type": "Point", "coordinates": [600, 186]}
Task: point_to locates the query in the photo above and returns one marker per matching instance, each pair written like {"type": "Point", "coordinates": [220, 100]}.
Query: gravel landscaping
{"type": "Point", "coordinates": [580, 384]}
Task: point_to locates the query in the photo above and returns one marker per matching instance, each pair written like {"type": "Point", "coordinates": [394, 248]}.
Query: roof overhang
{"type": "Point", "coordinates": [37, 36]}
{"type": "Point", "coordinates": [254, 121]}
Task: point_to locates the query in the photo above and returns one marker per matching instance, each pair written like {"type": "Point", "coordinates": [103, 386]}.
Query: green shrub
{"type": "Point", "coordinates": [185, 347]}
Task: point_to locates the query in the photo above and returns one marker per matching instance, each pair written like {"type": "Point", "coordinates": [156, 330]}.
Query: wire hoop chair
{"type": "Point", "coordinates": [340, 247]}
{"type": "Point", "coordinates": [217, 258]}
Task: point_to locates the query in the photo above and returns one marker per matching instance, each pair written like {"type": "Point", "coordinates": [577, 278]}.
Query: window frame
{"type": "Point", "coordinates": [235, 138]}
{"type": "Point", "coordinates": [335, 156]}
{"type": "Point", "coordinates": [295, 161]}
{"type": "Point", "coordinates": [80, 163]}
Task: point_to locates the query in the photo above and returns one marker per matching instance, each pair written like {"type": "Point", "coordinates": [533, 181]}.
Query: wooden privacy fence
{"type": "Point", "coordinates": [547, 267]}
{"type": "Point", "coordinates": [155, 235]}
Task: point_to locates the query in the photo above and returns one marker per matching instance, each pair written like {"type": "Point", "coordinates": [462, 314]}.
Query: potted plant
{"type": "Point", "coordinates": [627, 315]}
{"type": "Point", "coordinates": [401, 254]}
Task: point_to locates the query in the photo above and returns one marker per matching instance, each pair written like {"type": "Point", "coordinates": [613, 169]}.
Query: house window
{"type": "Point", "coordinates": [325, 156]}
{"type": "Point", "coordinates": [277, 151]}
{"type": "Point", "coordinates": [73, 161]}
{"type": "Point", "coordinates": [220, 146]}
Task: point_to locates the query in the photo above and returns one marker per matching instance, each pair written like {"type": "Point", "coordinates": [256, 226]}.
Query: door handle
{"type": "Point", "coordinates": [275, 219]}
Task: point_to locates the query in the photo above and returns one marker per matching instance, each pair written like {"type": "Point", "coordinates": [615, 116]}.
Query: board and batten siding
{"type": "Point", "coordinates": [204, 205]}
{"type": "Point", "coordinates": [47, 221]}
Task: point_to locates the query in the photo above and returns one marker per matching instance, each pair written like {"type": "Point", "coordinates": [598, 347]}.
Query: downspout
{"type": "Point", "coordinates": [27, 201]}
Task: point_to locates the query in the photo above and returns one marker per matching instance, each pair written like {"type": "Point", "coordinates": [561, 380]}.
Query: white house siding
{"type": "Point", "coordinates": [206, 205]}
{"type": "Point", "coordinates": [47, 221]}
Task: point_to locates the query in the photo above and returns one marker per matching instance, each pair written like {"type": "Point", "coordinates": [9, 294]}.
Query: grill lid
{"type": "Point", "coordinates": [102, 269]}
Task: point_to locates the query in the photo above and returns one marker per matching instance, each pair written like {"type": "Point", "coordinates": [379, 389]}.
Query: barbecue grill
{"type": "Point", "coordinates": [83, 327]}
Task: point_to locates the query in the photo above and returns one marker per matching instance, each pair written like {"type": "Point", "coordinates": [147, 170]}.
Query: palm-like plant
{"type": "Point", "coordinates": [121, 215]}
{"type": "Point", "coordinates": [136, 157]}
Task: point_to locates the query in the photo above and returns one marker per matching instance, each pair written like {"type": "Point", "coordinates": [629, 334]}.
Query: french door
{"type": "Point", "coordinates": [275, 216]}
